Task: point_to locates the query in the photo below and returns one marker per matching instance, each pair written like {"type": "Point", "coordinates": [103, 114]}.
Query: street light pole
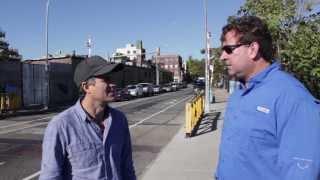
{"type": "Point", "coordinates": [47, 65]}
{"type": "Point", "coordinates": [207, 61]}
{"type": "Point", "coordinates": [157, 66]}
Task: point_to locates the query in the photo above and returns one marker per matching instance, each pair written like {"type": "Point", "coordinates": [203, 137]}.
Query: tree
{"type": "Point", "coordinates": [7, 53]}
{"type": "Point", "coordinates": [276, 13]}
{"type": "Point", "coordinates": [302, 54]}
{"type": "Point", "coordinates": [196, 67]}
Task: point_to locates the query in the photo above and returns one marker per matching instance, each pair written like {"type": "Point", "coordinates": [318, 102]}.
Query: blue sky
{"type": "Point", "coordinates": [176, 26]}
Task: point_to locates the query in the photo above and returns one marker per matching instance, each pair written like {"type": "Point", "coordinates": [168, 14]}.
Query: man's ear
{"type": "Point", "coordinates": [84, 87]}
{"type": "Point", "coordinates": [254, 50]}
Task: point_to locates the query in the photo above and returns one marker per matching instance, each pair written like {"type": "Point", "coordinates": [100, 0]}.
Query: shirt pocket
{"type": "Point", "coordinates": [83, 155]}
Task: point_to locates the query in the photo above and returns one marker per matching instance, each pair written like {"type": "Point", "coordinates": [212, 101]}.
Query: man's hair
{"type": "Point", "coordinates": [90, 81]}
{"type": "Point", "coordinates": [251, 29]}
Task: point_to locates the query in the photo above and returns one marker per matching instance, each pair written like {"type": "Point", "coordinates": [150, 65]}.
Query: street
{"type": "Point", "coordinates": [153, 122]}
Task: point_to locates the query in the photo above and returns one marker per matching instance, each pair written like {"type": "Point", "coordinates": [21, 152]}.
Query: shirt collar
{"type": "Point", "coordinates": [80, 111]}
{"type": "Point", "coordinates": [259, 77]}
{"type": "Point", "coordinates": [83, 114]}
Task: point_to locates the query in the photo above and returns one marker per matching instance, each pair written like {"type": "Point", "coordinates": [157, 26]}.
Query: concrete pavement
{"type": "Point", "coordinates": [195, 157]}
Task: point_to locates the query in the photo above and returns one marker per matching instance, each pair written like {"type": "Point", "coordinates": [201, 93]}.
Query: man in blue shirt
{"type": "Point", "coordinates": [271, 127]}
{"type": "Point", "coordinates": [90, 140]}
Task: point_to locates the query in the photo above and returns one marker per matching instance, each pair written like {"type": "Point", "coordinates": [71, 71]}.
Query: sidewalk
{"type": "Point", "coordinates": [195, 157]}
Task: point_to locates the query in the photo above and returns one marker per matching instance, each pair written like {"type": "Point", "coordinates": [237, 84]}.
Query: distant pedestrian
{"type": "Point", "coordinates": [90, 140]}
{"type": "Point", "coordinates": [271, 127]}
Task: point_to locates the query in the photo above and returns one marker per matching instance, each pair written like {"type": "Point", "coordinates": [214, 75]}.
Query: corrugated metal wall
{"type": "Point", "coordinates": [34, 89]}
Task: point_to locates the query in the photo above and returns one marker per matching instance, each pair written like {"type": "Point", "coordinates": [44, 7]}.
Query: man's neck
{"type": "Point", "coordinates": [260, 65]}
{"type": "Point", "coordinates": [95, 109]}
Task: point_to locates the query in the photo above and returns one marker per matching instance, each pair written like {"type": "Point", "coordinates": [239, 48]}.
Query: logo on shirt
{"type": "Point", "coordinates": [263, 109]}
{"type": "Point", "coordinates": [303, 163]}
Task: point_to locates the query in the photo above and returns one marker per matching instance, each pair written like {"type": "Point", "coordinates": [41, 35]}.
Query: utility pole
{"type": "Point", "coordinates": [89, 46]}
{"type": "Point", "coordinates": [157, 65]}
{"type": "Point", "coordinates": [207, 61]}
{"type": "Point", "coordinates": [47, 64]}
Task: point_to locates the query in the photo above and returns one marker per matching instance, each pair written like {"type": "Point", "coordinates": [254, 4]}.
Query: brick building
{"type": "Point", "coordinates": [172, 63]}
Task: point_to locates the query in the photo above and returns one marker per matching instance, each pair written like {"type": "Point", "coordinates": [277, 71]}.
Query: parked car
{"type": "Point", "coordinates": [135, 90]}
{"type": "Point", "coordinates": [183, 84]}
{"type": "Point", "coordinates": [122, 94]}
{"type": "Point", "coordinates": [157, 89]}
{"type": "Point", "coordinates": [199, 85]}
{"type": "Point", "coordinates": [175, 86]}
{"type": "Point", "coordinates": [167, 87]}
{"type": "Point", "coordinates": [147, 89]}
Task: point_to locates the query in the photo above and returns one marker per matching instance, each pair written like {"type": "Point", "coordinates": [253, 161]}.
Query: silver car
{"type": "Point", "coordinates": [135, 90]}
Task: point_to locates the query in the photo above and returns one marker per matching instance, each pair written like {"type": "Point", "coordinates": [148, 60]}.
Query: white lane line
{"type": "Point", "coordinates": [139, 100]}
{"type": "Point", "coordinates": [163, 110]}
{"type": "Point", "coordinates": [25, 127]}
{"type": "Point", "coordinates": [26, 122]}
{"type": "Point", "coordinates": [32, 176]}
{"type": "Point", "coordinates": [2, 163]}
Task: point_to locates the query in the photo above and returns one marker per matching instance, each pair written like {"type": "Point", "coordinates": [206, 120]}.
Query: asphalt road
{"type": "Point", "coordinates": [153, 122]}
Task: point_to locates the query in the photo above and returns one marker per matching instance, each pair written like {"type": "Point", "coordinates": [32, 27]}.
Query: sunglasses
{"type": "Point", "coordinates": [230, 48]}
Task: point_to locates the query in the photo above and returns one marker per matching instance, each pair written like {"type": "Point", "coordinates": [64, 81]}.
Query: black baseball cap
{"type": "Point", "coordinates": [92, 67]}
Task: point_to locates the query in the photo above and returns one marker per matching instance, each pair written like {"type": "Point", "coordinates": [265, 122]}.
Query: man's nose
{"type": "Point", "coordinates": [223, 56]}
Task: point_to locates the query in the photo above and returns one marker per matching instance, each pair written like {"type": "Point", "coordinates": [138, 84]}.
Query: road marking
{"type": "Point", "coordinates": [2, 163]}
{"type": "Point", "coordinates": [32, 176]}
{"type": "Point", "coordinates": [26, 127]}
{"type": "Point", "coordinates": [22, 123]}
{"type": "Point", "coordinates": [163, 110]}
{"type": "Point", "coordinates": [139, 100]}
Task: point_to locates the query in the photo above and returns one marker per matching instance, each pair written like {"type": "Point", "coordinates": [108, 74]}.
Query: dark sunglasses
{"type": "Point", "coordinates": [230, 48]}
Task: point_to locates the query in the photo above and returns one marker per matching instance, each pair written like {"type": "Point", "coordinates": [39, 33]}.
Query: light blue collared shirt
{"type": "Point", "coordinates": [271, 130]}
{"type": "Point", "coordinates": [74, 147]}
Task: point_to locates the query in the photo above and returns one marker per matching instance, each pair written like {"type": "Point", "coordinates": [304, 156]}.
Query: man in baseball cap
{"type": "Point", "coordinates": [90, 140]}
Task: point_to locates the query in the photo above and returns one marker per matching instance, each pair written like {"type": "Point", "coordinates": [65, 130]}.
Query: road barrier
{"type": "Point", "coordinates": [9, 101]}
{"type": "Point", "coordinates": [194, 112]}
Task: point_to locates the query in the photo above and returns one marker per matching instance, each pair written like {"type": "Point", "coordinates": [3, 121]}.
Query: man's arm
{"type": "Point", "coordinates": [53, 153]}
{"type": "Point", "coordinates": [299, 133]}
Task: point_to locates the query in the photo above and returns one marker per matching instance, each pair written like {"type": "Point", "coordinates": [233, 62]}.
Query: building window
{"type": "Point", "coordinates": [128, 52]}
{"type": "Point", "coordinates": [166, 66]}
{"type": "Point", "coordinates": [133, 52]}
{"type": "Point", "coordinates": [171, 66]}
{"type": "Point", "coordinates": [176, 66]}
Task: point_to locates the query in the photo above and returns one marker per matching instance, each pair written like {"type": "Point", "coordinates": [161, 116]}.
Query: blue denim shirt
{"type": "Point", "coordinates": [75, 147]}
{"type": "Point", "coordinates": [271, 130]}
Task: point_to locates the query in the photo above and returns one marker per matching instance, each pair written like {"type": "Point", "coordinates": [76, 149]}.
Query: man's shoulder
{"type": "Point", "coordinates": [289, 86]}
{"type": "Point", "coordinates": [116, 112]}
{"type": "Point", "coordinates": [119, 116]}
{"type": "Point", "coordinates": [63, 118]}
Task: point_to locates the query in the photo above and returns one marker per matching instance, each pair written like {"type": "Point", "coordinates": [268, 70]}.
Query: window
{"type": "Point", "coordinates": [166, 66]}
{"type": "Point", "coordinates": [133, 52]}
{"type": "Point", "coordinates": [128, 52]}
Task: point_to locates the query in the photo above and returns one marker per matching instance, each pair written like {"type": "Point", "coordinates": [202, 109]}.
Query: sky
{"type": "Point", "coordinates": [176, 26]}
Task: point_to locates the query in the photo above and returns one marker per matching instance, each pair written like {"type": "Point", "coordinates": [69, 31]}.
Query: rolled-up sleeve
{"type": "Point", "coordinates": [299, 146]}
{"type": "Point", "coordinates": [53, 153]}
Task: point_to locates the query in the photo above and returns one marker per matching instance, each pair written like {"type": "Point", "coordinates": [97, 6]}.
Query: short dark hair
{"type": "Point", "coordinates": [251, 29]}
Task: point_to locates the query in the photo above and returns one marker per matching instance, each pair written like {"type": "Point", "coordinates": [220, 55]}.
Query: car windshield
{"type": "Point", "coordinates": [131, 87]}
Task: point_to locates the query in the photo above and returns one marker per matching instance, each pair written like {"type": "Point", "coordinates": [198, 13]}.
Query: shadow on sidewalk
{"type": "Point", "coordinates": [207, 124]}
